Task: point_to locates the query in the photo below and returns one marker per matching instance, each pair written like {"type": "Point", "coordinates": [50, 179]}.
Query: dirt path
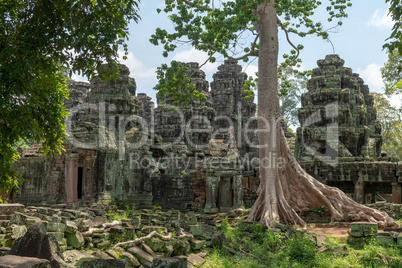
{"type": "Point", "coordinates": [336, 232]}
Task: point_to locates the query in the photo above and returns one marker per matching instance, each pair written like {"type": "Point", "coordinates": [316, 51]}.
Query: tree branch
{"type": "Point", "coordinates": [192, 4]}
{"type": "Point", "coordinates": [251, 53]}
{"type": "Point", "coordinates": [290, 42]}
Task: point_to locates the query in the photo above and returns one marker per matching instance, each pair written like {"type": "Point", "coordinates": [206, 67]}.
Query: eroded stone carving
{"type": "Point", "coordinates": [339, 142]}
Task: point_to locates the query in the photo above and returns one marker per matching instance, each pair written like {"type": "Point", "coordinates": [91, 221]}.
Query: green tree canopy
{"type": "Point", "coordinates": [391, 73]}
{"type": "Point", "coordinates": [395, 39]}
{"type": "Point", "coordinates": [390, 118]}
{"type": "Point", "coordinates": [217, 27]}
{"type": "Point", "coordinates": [291, 86]}
{"type": "Point", "coordinates": [39, 39]}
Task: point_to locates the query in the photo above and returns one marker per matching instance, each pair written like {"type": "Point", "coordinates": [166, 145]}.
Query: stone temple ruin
{"type": "Point", "coordinates": [339, 142]}
{"type": "Point", "coordinates": [202, 156]}
{"type": "Point", "coordinates": [121, 148]}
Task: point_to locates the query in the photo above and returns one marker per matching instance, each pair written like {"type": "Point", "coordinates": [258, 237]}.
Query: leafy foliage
{"type": "Point", "coordinates": [390, 118]}
{"type": "Point", "coordinates": [254, 245]}
{"type": "Point", "coordinates": [38, 40]}
{"type": "Point", "coordinates": [291, 85]}
{"type": "Point", "coordinates": [395, 39]}
{"type": "Point", "coordinates": [231, 29]}
{"type": "Point", "coordinates": [391, 73]}
{"type": "Point", "coordinates": [175, 82]}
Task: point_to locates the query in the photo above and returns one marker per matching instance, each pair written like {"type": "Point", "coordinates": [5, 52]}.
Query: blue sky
{"type": "Point", "coordinates": [359, 42]}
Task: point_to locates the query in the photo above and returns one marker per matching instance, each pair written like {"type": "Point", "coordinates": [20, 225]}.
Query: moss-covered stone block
{"type": "Point", "coordinates": [55, 227]}
{"type": "Point", "coordinates": [198, 244]}
{"type": "Point", "coordinates": [368, 229]}
{"type": "Point", "coordinates": [75, 240]}
{"type": "Point", "coordinates": [385, 240]}
{"type": "Point", "coordinates": [155, 243]}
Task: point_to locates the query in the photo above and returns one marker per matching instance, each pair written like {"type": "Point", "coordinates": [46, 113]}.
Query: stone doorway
{"type": "Point", "coordinates": [80, 181]}
{"type": "Point", "coordinates": [226, 194]}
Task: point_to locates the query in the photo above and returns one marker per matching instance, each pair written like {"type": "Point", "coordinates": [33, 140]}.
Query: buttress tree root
{"type": "Point", "coordinates": [293, 190]}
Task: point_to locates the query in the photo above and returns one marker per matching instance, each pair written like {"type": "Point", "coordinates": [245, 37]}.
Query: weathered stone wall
{"type": "Point", "coordinates": [44, 180]}
{"type": "Point", "coordinates": [180, 158]}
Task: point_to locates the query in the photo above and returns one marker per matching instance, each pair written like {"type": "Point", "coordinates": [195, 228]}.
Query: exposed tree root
{"type": "Point", "coordinates": [144, 238]}
{"type": "Point", "coordinates": [180, 235]}
{"type": "Point", "coordinates": [297, 191]}
{"type": "Point", "coordinates": [104, 226]}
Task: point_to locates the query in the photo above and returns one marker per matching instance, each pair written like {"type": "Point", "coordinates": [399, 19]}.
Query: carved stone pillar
{"type": "Point", "coordinates": [211, 188]}
{"type": "Point", "coordinates": [359, 192]}
{"type": "Point", "coordinates": [396, 193]}
{"type": "Point", "coordinates": [71, 178]}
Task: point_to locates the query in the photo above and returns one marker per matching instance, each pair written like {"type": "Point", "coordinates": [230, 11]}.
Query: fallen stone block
{"type": "Point", "coordinates": [155, 243]}
{"type": "Point", "coordinates": [198, 244]}
{"type": "Point", "coordinates": [356, 233]}
{"type": "Point", "coordinates": [368, 229]}
{"type": "Point", "coordinates": [13, 261]}
{"type": "Point", "coordinates": [132, 261]}
{"type": "Point", "coordinates": [196, 260]}
{"type": "Point", "coordinates": [102, 263]}
{"type": "Point", "coordinates": [15, 231]}
{"type": "Point", "coordinates": [141, 255]}
{"type": "Point", "coordinates": [196, 229]}
{"type": "Point", "coordinates": [38, 243]}
{"type": "Point", "coordinates": [385, 240]}
{"type": "Point", "coordinates": [217, 240]}
{"type": "Point", "coordinates": [55, 227]}
{"type": "Point", "coordinates": [75, 240]}
{"type": "Point", "coordinates": [71, 227]}
{"type": "Point", "coordinates": [59, 237]}
{"type": "Point", "coordinates": [112, 253]}
{"type": "Point", "coordinates": [11, 208]}
{"type": "Point", "coordinates": [174, 262]}
{"type": "Point", "coordinates": [104, 245]}
{"type": "Point", "coordinates": [149, 250]}
{"type": "Point", "coordinates": [77, 257]}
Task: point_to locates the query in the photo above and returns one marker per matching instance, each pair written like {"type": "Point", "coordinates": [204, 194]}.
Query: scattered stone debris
{"type": "Point", "coordinates": [363, 232]}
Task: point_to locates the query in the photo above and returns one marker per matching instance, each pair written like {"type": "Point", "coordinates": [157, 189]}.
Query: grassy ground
{"type": "Point", "coordinates": [253, 245]}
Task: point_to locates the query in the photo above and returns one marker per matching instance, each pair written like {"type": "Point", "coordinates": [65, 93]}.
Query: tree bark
{"type": "Point", "coordinates": [285, 188]}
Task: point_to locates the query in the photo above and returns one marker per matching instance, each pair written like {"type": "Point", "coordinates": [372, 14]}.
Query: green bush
{"type": "Point", "coordinates": [301, 248]}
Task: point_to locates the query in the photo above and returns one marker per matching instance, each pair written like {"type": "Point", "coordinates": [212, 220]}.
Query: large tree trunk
{"type": "Point", "coordinates": [285, 187]}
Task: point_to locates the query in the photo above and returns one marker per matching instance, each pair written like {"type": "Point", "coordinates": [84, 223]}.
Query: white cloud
{"type": "Point", "coordinates": [193, 55]}
{"type": "Point", "coordinates": [137, 68]}
{"type": "Point", "coordinates": [396, 100]}
{"type": "Point", "coordinates": [79, 78]}
{"type": "Point", "coordinates": [250, 70]}
{"type": "Point", "coordinates": [372, 76]}
{"type": "Point", "coordinates": [380, 19]}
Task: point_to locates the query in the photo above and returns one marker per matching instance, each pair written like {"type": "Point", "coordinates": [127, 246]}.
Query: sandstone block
{"type": "Point", "coordinates": [174, 262]}
{"type": "Point", "coordinates": [55, 227]}
{"type": "Point", "coordinates": [13, 261]}
{"type": "Point", "coordinates": [39, 244]}
{"type": "Point", "coordinates": [71, 227]}
{"type": "Point", "coordinates": [11, 208]}
{"type": "Point", "coordinates": [365, 227]}
{"type": "Point", "coordinates": [155, 243]}
{"type": "Point", "coordinates": [76, 240]}
{"type": "Point", "coordinates": [198, 244]}
{"type": "Point", "coordinates": [101, 263]}
{"type": "Point", "coordinates": [141, 255]}
{"type": "Point", "coordinates": [16, 231]}
{"type": "Point", "coordinates": [196, 260]}
{"type": "Point", "coordinates": [77, 257]}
